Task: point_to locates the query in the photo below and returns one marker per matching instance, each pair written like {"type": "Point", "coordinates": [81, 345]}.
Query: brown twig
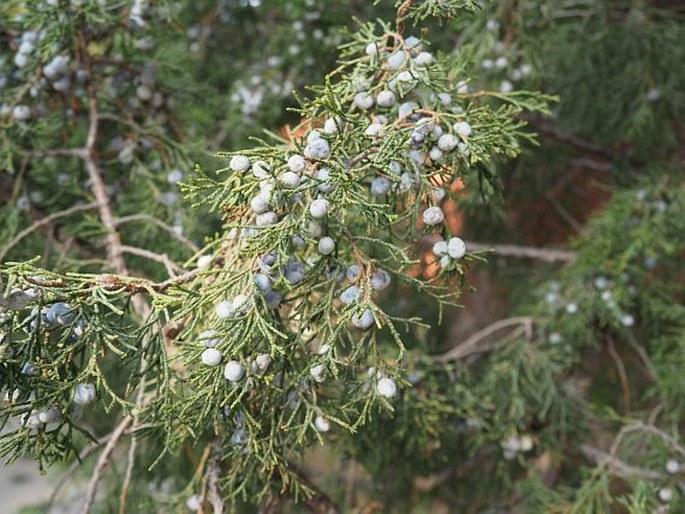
{"type": "Point", "coordinates": [402, 12]}
{"type": "Point", "coordinates": [169, 229]}
{"type": "Point", "coordinates": [524, 252]}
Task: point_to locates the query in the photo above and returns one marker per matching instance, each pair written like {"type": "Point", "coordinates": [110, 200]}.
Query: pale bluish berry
{"type": "Point", "coordinates": [318, 208]}
{"type": "Point", "coordinates": [462, 129]}
{"type": "Point", "coordinates": [385, 98]}
{"type": "Point", "coordinates": [234, 371]}
{"type": "Point", "coordinates": [325, 186]}
{"type": "Point", "coordinates": [386, 387]}
{"type": "Point", "coordinates": [266, 219]}
{"type": "Point", "coordinates": [326, 245]}
{"type": "Point", "coordinates": [433, 216]}
{"type": "Point", "coordinates": [289, 179]}
{"type": "Point", "coordinates": [396, 60]}
{"type": "Point", "coordinates": [318, 149]}
{"type": "Point", "coordinates": [349, 294]}
{"type": "Point", "coordinates": [363, 321]}
{"type": "Point", "coordinates": [440, 247]}
{"type": "Point", "coordinates": [447, 142]}
{"type": "Point", "coordinates": [260, 169]}
{"type": "Point", "coordinates": [571, 308]}
{"type": "Point", "coordinates": [456, 248]}
{"type": "Point", "coordinates": [263, 362]}
{"type": "Point", "coordinates": [380, 186]}
{"type": "Point", "coordinates": [239, 163]}
{"type": "Point", "coordinates": [259, 203]}
{"type": "Point", "coordinates": [83, 394]}
{"type": "Point", "coordinates": [330, 126]}
{"type": "Point", "coordinates": [423, 59]}
{"type": "Point", "coordinates": [224, 310]}
{"type": "Point", "coordinates": [407, 108]}
{"type": "Point", "coordinates": [211, 357]}
{"type": "Point", "coordinates": [322, 424]}
{"type": "Point", "coordinates": [317, 372]}
{"type": "Point", "coordinates": [296, 163]}
{"type": "Point", "coordinates": [435, 154]}
{"type": "Point", "coordinates": [363, 100]}
{"type": "Point", "coordinates": [380, 280]}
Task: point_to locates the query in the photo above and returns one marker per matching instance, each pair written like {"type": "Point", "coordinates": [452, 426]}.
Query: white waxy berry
{"type": "Point", "coordinates": [665, 494]}
{"type": "Point", "coordinates": [380, 280]}
{"type": "Point", "coordinates": [259, 203]}
{"type": "Point", "coordinates": [263, 362]}
{"type": "Point", "coordinates": [326, 245]}
{"type": "Point", "coordinates": [289, 179]}
{"type": "Point", "coordinates": [447, 142]}
{"type": "Point", "coordinates": [349, 294]}
{"type": "Point", "coordinates": [445, 99]}
{"type": "Point", "coordinates": [322, 424]}
{"type": "Point", "coordinates": [380, 186]}
{"type": "Point", "coordinates": [456, 248]}
{"type": "Point", "coordinates": [435, 154]}
{"type": "Point", "coordinates": [84, 394]}
{"type": "Point", "coordinates": [194, 502]}
{"type": "Point", "coordinates": [239, 163]}
{"type": "Point", "coordinates": [423, 59]}
{"type": "Point", "coordinates": [49, 415]}
{"type": "Point", "coordinates": [386, 387]}
{"type": "Point", "coordinates": [501, 62]}
{"type": "Point", "coordinates": [260, 169]}
{"type": "Point", "coordinates": [240, 304]}
{"type": "Point", "coordinates": [234, 371]}
{"type": "Point", "coordinates": [374, 130]}
{"type": "Point", "coordinates": [571, 308]}
{"type": "Point", "coordinates": [627, 320]}
{"type": "Point", "coordinates": [353, 272]}
{"type": "Point", "coordinates": [555, 338]}
{"type": "Point", "coordinates": [318, 208]}
{"type": "Point", "coordinates": [209, 338]}
{"type": "Point", "coordinates": [204, 261]}
{"type": "Point", "coordinates": [363, 100]}
{"type": "Point", "coordinates": [21, 112]}
{"type": "Point", "coordinates": [385, 98]}
{"type": "Point", "coordinates": [487, 64]}
{"type": "Point", "coordinates": [211, 357]}
{"type": "Point", "coordinates": [325, 186]}
{"type": "Point", "coordinates": [174, 176]}
{"type": "Point", "coordinates": [526, 443]}
{"type": "Point", "coordinates": [506, 87]}
{"type": "Point", "coordinates": [440, 248]}
{"type": "Point", "coordinates": [672, 466]}
{"type": "Point", "coordinates": [318, 149]}
{"type": "Point", "coordinates": [330, 126]}
{"type": "Point", "coordinates": [371, 49]}
{"type": "Point", "coordinates": [462, 128]}
{"type": "Point", "coordinates": [224, 310]}
{"type": "Point", "coordinates": [412, 42]}
{"type": "Point", "coordinates": [266, 219]}
{"type": "Point", "coordinates": [396, 60]}
{"type": "Point", "coordinates": [433, 216]}
{"type": "Point", "coordinates": [313, 136]}
{"type": "Point", "coordinates": [365, 321]}
{"type": "Point", "coordinates": [317, 372]}
{"type": "Point", "coordinates": [406, 108]}
{"type": "Point", "coordinates": [296, 163]}
{"type": "Point", "coordinates": [262, 281]}
{"type": "Point", "coordinates": [314, 229]}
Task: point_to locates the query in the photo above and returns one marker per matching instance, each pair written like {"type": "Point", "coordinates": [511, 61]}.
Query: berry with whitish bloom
{"type": "Point", "coordinates": [194, 502]}
{"type": "Point", "coordinates": [296, 163]}
{"type": "Point", "coordinates": [456, 248]}
{"type": "Point", "coordinates": [492, 25]}
{"type": "Point", "coordinates": [317, 149]}
{"type": "Point", "coordinates": [462, 128]}
{"type": "Point", "coordinates": [263, 282]}
{"type": "Point", "coordinates": [433, 216]}
{"type": "Point", "coordinates": [59, 313]}
{"type": "Point", "coordinates": [240, 304]}
{"type": "Point", "coordinates": [314, 229]}
{"type": "Point", "coordinates": [239, 163]}
{"type": "Point", "coordinates": [204, 260]}
{"type": "Point", "coordinates": [349, 295]}
{"type": "Point", "coordinates": [330, 126]}
{"type": "Point", "coordinates": [445, 261]}
{"type": "Point", "coordinates": [353, 272]}
{"type": "Point", "coordinates": [83, 394]}
{"type": "Point", "coordinates": [423, 59]}
{"type": "Point", "coordinates": [606, 296]}
{"type": "Point", "coordinates": [318, 208]}
{"type": "Point", "coordinates": [209, 338]}
{"type": "Point", "coordinates": [571, 308]}
{"type": "Point", "coordinates": [313, 135]}
{"type": "Point", "coordinates": [665, 494]}
{"type": "Point", "coordinates": [272, 299]}
{"type": "Point", "coordinates": [672, 466]}
{"type": "Point", "coordinates": [174, 176]}
{"type": "Point", "coordinates": [385, 98]}
{"type": "Point", "coordinates": [263, 361]}
{"type": "Point", "coordinates": [627, 320]}
{"type": "Point", "coordinates": [21, 112]}
{"type": "Point", "coordinates": [374, 130]}
{"type": "Point", "coordinates": [464, 149]}
{"type": "Point", "coordinates": [29, 369]}
{"type": "Point", "coordinates": [363, 100]}
{"type": "Point", "coordinates": [365, 321]}
{"type": "Point", "coordinates": [506, 87]}
{"type": "Point", "coordinates": [396, 60]}
{"type": "Point", "coordinates": [322, 424]}
{"type": "Point", "coordinates": [447, 142]}
{"type": "Point", "coordinates": [266, 219]}
{"type": "Point", "coordinates": [371, 49]}
{"type": "Point", "coordinates": [294, 271]}
{"type": "Point", "coordinates": [211, 357]}
{"type": "Point", "coordinates": [49, 415]}
{"type": "Point", "coordinates": [289, 179]}
{"type": "Point", "coordinates": [323, 175]}
{"type": "Point", "coordinates": [440, 247]}
{"type": "Point", "coordinates": [234, 371]}
{"type": "Point", "coordinates": [317, 372]}
{"type": "Point", "coordinates": [380, 186]}
{"type": "Point", "coordinates": [487, 64]}
{"type": "Point", "coordinates": [526, 443]}
{"type": "Point", "coordinates": [601, 283]}
{"type": "Point", "coordinates": [326, 245]}
{"type": "Point", "coordinates": [407, 108]}
{"type": "Point", "coordinates": [412, 42]}
{"type": "Point", "coordinates": [380, 280]}
{"type": "Point", "coordinates": [260, 203]}
{"type": "Point", "coordinates": [555, 338]}
{"type": "Point", "coordinates": [224, 310]}
{"type": "Point", "coordinates": [501, 62]}
{"type": "Point", "coordinates": [260, 169]}
{"type": "Point", "coordinates": [653, 95]}
{"type": "Point", "coordinates": [438, 194]}
{"type": "Point", "coordinates": [435, 153]}
{"type": "Point", "coordinates": [386, 387]}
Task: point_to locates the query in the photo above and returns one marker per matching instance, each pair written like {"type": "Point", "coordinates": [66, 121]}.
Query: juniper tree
{"type": "Point", "coordinates": [275, 328]}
